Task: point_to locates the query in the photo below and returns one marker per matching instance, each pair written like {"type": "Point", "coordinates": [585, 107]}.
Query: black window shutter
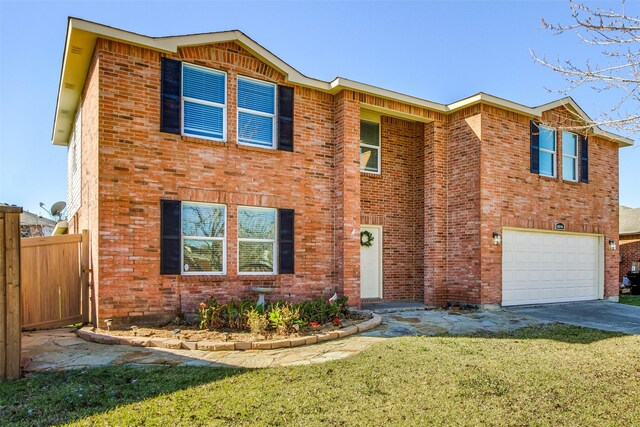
{"type": "Point", "coordinates": [534, 136]}
{"type": "Point", "coordinates": [170, 219]}
{"type": "Point", "coordinates": [171, 88]}
{"type": "Point", "coordinates": [285, 118]}
{"type": "Point", "coordinates": [584, 159]}
{"type": "Point", "coordinates": [286, 253]}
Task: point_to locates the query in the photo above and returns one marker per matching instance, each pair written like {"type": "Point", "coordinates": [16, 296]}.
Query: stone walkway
{"type": "Point", "coordinates": [61, 349]}
{"type": "Point", "coordinates": [454, 322]}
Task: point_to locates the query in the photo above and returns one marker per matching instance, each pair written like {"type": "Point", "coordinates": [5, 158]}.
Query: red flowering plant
{"type": "Point", "coordinates": [209, 314]}
{"type": "Point", "coordinates": [320, 311]}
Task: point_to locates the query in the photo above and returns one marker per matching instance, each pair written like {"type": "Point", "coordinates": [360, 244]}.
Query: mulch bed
{"type": "Point", "coordinates": [193, 333]}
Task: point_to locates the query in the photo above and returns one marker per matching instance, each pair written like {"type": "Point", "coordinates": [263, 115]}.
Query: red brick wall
{"type": "Point", "coordinates": [393, 199]}
{"type": "Point", "coordinates": [347, 195]}
{"type": "Point", "coordinates": [435, 173]}
{"type": "Point", "coordinates": [446, 185]}
{"type": "Point", "coordinates": [463, 207]}
{"type": "Point", "coordinates": [629, 251]}
{"type": "Point", "coordinates": [512, 196]}
{"type": "Point", "coordinates": [140, 165]}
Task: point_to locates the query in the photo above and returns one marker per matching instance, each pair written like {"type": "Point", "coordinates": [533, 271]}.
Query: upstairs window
{"type": "Point", "coordinates": [256, 112]}
{"type": "Point", "coordinates": [569, 156]}
{"type": "Point", "coordinates": [369, 146]}
{"type": "Point", "coordinates": [256, 240]}
{"type": "Point", "coordinates": [204, 103]}
{"type": "Point", "coordinates": [547, 151]}
{"type": "Point", "coordinates": [204, 246]}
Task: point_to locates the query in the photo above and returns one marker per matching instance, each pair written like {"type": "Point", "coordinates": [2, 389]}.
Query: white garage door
{"type": "Point", "coordinates": [549, 267]}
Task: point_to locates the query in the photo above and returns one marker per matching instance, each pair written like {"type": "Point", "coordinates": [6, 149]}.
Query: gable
{"type": "Point", "coordinates": [230, 54]}
{"type": "Point", "coordinates": [82, 36]}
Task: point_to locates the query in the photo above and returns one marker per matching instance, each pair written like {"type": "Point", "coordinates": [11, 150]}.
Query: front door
{"type": "Point", "coordinates": [371, 264]}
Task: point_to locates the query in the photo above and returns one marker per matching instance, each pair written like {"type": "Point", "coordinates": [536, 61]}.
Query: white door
{"type": "Point", "coordinates": [371, 264]}
{"type": "Point", "coordinates": [549, 267]}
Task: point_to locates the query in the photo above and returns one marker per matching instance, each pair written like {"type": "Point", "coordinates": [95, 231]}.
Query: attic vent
{"type": "Point", "coordinates": [77, 50]}
{"type": "Point", "coordinates": [69, 86]}
{"type": "Point", "coordinates": [64, 111]}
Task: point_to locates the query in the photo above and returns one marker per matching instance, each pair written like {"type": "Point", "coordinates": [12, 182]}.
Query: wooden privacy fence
{"type": "Point", "coordinates": [10, 292]}
{"type": "Point", "coordinates": [55, 280]}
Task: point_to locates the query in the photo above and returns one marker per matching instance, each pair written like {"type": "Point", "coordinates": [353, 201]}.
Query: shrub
{"type": "Point", "coordinates": [210, 314]}
{"type": "Point", "coordinates": [234, 314]}
{"type": "Point", "coordinates": [281, 316]}
{"type": "Point", "coordinates": [321, 311]}
{"type": "Point", "coordinates": [257, 321]}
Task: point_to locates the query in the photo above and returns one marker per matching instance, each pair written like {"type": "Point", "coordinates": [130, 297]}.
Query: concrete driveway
{"type": "Point", "coordinates": [605, 315]}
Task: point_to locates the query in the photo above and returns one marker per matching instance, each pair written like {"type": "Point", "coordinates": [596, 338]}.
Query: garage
{"type": "Point", "coordinates": [547, 267]}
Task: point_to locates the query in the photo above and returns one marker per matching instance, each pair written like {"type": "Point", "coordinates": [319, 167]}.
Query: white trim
{"type": "Point", "coordinates": [223, 239]}
{"type": "Point", "coordinates": [554, 161]}
{"type": "Point", "coordinates": [574, 158]}
{"type": "Point", "coordinates": [539, 230]}
{"type": "Point", "coordinates": [203, 102]}
{"type": "Point", "coordinates": [378, 148]}
{"type": "Point", "coordinates": [257, 113]}
{"type": "Point", "coordinates": [83, 34]}
{"type": "Point", "coordinates": [247, 239]}
{"type": "Point", "coordinates": [380, 259]}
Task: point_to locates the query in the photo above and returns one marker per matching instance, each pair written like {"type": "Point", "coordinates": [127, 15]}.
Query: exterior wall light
{"type": "Point", "coordinates": [612, 245]}
{"type": "Point", "coordinates": [496, 238]}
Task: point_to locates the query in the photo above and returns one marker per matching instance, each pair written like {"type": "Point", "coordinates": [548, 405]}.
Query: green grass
{"type": "Point", "coordinates": [630, 299]}
{"type": "Point", "coordinates": [554, 375]}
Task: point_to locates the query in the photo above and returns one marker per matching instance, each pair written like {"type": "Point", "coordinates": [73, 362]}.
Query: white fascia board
{"type": "Point", "coordinates": [485, 98]}
{"type": "Point", "coordinates": [569, 102]}
{"type": "Point", "coordinates": [171, 44]}
{"type": "Point", "coordinates": [86, 33]}
{"type": "Point", "coordinates": [340, 83]}
{"type": "Point", "coordinates": [537, 111]}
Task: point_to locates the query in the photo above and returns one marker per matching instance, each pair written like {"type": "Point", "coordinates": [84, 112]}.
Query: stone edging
{"type": "Point", "coordinates": [88, 335]}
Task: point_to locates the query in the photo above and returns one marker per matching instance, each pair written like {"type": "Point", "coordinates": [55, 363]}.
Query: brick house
{"type": "Point", "coordinates": [629, 238]}
{"type": "Point", "coordinates": [203, 165]}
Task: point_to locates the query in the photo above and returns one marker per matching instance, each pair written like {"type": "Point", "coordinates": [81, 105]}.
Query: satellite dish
{"type": "Point", "coordinates": [57, 208]}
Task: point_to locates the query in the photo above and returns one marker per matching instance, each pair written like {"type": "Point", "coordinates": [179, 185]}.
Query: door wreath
{"type": "Point", "coordinates": [366, 238]}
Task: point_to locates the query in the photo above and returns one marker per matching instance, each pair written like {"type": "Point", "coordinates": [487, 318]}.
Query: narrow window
{"type": "Point", "coordinates": [569, 156]}
{"type": "Point", "coordinates": [256, 112]}
{"type": "Point", "coordinates": [204, 246]}
{"type": "Point", "coordinates": [547, 151]}
{"type": "Point", "coordinates": [256, 240]}
{"type": "Point", "coordinates": [204, 105]}
{"type": "Point", "coordinates": [369, 146]}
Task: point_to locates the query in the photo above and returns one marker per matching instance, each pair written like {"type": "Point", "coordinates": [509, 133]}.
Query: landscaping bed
{"type": "Point", "coordinates": [245, 325]}
{"type": "Point", "coordinates": [193, 333]}
{"type": "Point", "coordinates": [244, 341]}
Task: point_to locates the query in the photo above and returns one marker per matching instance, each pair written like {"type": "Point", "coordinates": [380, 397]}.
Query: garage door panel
{"type": "Point", "coordinates": [549, 267]}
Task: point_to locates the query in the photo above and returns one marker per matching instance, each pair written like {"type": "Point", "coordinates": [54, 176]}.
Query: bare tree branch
{"type": "Point", "coordinates": [615, 36]}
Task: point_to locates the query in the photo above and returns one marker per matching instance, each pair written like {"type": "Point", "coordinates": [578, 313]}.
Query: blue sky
{"type": "Point", "coordinates": [441, 51]}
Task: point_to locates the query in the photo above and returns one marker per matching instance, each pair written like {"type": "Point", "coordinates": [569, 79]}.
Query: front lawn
{"type": "Point", "coordinates": [630, 299]}
{"type": "Point", "coordinates": [554, 375]}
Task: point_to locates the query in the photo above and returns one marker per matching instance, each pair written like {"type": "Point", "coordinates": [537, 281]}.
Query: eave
{"type": "Point", "coordinates": [82, 36]}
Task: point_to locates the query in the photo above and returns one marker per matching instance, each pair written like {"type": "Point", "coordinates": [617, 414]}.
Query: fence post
{"type": "Point", "coordinates": [10, 304]}
{"type": "Point", "coordinates": [84, 278]}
